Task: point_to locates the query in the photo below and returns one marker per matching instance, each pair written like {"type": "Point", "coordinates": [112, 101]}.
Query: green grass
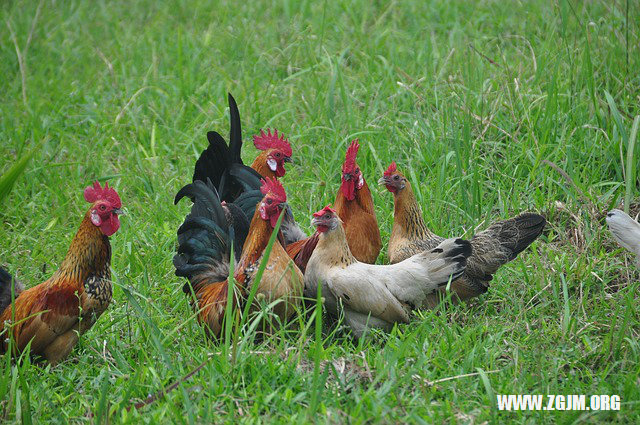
{"type": "Point", "coordinates": [482, 103]}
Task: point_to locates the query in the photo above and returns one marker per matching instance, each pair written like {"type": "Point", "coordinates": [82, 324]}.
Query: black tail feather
{"type": "Point", "coordinates": [213, 161]}
{"type": "Point", "coordinates": [204, 239]}
{"type": "Point", "coordinates": [5, 289]}
{"type": "Point", "coordinates": [223, 164]}
{"type": "Point", "coordinates": [235, 133]}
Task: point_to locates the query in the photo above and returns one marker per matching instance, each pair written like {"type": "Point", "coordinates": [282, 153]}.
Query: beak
{"type": "Point", "coordinates": [288, 159]}
{"type": "Point", "coordinates": [382, 181]}
{"type": "Point", "coordinates": [118, 211]}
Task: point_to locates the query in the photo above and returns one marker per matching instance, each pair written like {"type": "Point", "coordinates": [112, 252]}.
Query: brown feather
{"type": "Point", "coordinates": [260, 164]}
{"type": "Point", "coordinates": [301, 251]}
{"type": "Point", "coordinates": [360, 224]}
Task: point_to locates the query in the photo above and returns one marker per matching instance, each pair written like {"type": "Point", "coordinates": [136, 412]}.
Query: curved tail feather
{"type": "Point", "coordinates": [222, 163]}
{"type": "Point", "coordinates": [501, 243]}
{"type": "Point", "coordinates": [204, 239]}
{"type": "Point", "coordinates": [235, 133]}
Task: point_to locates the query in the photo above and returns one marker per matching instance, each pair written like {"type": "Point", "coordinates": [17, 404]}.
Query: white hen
{"type": "Point", "coordinates": [626, 231]}
{"type": "Point", "coordinates": [374, 295]}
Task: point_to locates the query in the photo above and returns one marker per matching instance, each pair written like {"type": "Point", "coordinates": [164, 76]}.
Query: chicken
{"type": "Point", "coordinates": [223, 165]}
{"type": "Point", "coordinates": [204, 253]}
{"type": "Point", "coordinates": [355, 208]}
{"type": "Point", "coordinates": [492, 248]}
{"type": "Point", "coordinates": [626, 231]}
{"type": "Point", "coordinates": [375, 295]}
{"type": "Point", "coordinates": [53, 314]}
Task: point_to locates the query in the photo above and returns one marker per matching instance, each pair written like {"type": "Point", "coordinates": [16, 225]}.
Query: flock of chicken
{"type": "Point", "coordinates": [231, 226]}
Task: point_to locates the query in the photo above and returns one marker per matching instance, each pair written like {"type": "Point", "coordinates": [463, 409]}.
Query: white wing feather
{"type": "Point", "coordinates": [379, 296]}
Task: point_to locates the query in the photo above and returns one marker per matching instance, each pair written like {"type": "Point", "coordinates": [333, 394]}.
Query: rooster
{"type": "Point", "coordinates": [52, 315]}
{"type": "Point", "coordinates": [222, 164]}
{"type": "Point", "coordinates": [374, 295]}
{"type": "Point", "coordinates": [204, 252]}
{"type": "Point", "coordinates": [355, 208]}
{"type": "Point", "coordinates": [497, 245]}
{"type": "Point", "coordinates": [626, 231]}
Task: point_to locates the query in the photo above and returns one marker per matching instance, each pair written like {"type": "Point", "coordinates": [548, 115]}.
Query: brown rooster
{"type": "Point", "coordinates": [204, 253]}
{"type": "Point", "coordinates": [53, 314]}
{"type": "Point", "coordinates": [374, 295]}
{"type": "Point", "coordinates": [492, 248]}
{"type": "Point", "coordinates": [354, 205]}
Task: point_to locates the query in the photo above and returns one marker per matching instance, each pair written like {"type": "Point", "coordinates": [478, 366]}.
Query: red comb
{"type": "Point", "coordinates": [97, 193]}
{"type": "Point", "coordinates": [274, 188]}
{"type": "Point", "coordinates": [325, 210]}
{"type": "Point", "coordinates": [392, 169]}
{"type": "Point", "coordinates": [349, 164]}
{"type": "Point", "coordinates": [271, 141]}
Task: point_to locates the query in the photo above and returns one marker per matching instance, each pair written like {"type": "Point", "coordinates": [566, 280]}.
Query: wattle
{"type": "Point", "coordinates": [110, 225]}
{"type": "Point", "coordinates": [348, 190]}
{"type": "Point", "coordinates": [274, 220]}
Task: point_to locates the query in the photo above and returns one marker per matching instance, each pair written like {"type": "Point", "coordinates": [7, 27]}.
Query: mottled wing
{"type": "Point", "coordinates": [41, 314]}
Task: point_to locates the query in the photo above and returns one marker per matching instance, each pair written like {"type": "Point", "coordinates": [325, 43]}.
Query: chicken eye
{"type": "Point", "coordinates": [102, 208]}
{"type": "Point", "coordinates": [327, 215]}
{"type": "Point", "coordinates": [278, 154]}
{"type": "Point", "coordinates": [269, 201]}
{"type": "Point", "coordinates": [396, 178]}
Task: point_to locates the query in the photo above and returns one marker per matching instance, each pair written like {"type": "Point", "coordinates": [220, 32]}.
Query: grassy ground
{"type": "Point", "coordinates": [492, 107]}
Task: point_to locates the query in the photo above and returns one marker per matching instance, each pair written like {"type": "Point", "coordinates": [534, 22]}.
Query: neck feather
{"type": "Point", "coordinates": [260, 165]}
{"type": "Point", "coordinates": [407, 215]}
{"type": "Point", "coordinates": [259, 233]}
{"type": "Point", "coordinates": [89, 253]}
{"type": "Point", "coordinates": [362, 198]}
{"type": "Point", "coordinates": [333, 246]}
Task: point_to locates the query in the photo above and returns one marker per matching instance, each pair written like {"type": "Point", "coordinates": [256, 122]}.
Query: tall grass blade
{"type": "Point", "coordinates": [622, 131]}
{"type": "Point", "coordinates": [317, 355]}
{"type": "Point", "coordinates": [8, 179]}
{"type": "Point", "coordinates": [630, 175]}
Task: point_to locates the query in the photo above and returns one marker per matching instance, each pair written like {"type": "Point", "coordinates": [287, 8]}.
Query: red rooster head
{"type": "Point", "coordinates": [351, 176]}
{"type": "Point", "coordinates": [393, 179]}
{"type": "Point", "coordinates": [106, 207]}
{"type": "Point", "coordinates": [278, 150]}
{"type": "Point", "coordinates": [274, 200]}
{"type": "Point", "coordinates": [325, 219]}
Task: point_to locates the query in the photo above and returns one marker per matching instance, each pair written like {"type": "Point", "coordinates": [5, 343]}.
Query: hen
{"type": "Point", "coordinates": [53, 314]}
{"type": "Point", "coordinates": [373, 295]}
{"type": "Point", "coordinates": [354, 206]}
{"type": "Point", "coordinates": [626, 231]}
{"type": "Point", "coordinates": [492, 248]}
{"type": "Point", "coordinates": [222, 164]}
{"type": "Point", "coordinates": [204, 253]}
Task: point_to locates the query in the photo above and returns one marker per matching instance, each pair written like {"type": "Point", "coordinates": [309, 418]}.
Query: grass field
{"type": "Point", "coordinates": [492, 107]}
